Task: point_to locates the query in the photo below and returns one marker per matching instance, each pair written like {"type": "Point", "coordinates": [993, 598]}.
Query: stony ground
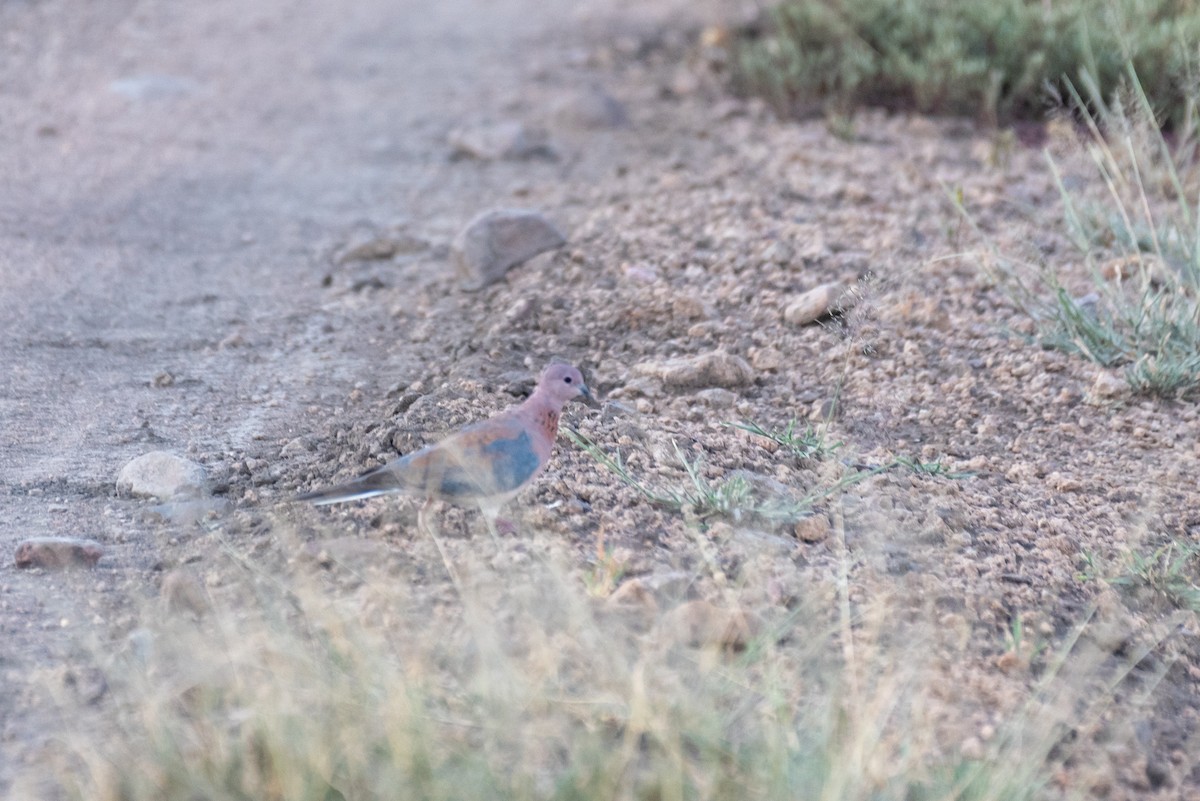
{"type": "Point", "coordinates": [183, 222]}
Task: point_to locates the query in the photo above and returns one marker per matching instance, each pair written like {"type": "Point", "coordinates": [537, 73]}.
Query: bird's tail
{"type": "Point", "coordinates": [377, 482]}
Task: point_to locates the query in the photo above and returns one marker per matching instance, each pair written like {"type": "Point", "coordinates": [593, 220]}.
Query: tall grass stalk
{"type": "Point", "coordinates": [1136, 227]}
{"type": "Point", "coordinates": [527, 688]}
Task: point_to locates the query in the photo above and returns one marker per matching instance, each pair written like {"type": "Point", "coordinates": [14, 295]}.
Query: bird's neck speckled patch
{"type": "Point", "coordinates": [549, 423]}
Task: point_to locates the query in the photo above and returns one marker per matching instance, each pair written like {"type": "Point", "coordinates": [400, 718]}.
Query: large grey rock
{"type": "Point", "coordinates": [591, 108]}
{"type": "Point", "coordinates": [496, 241]}
{"type": "Point", "coordinates": [161, 475]}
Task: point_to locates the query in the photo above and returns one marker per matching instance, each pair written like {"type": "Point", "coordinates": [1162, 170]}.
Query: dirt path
{"type": "Point", "coordinates": [181, 183]}
{"type": "Point", "coordinates": [175, 184]}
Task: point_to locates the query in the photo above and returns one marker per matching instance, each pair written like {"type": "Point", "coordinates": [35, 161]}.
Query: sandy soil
{"type": "Point", "coordinates": [179, 183]}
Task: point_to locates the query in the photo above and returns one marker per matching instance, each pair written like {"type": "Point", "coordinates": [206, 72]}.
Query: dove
{"type": "Point", "coordinates": [486, 464]}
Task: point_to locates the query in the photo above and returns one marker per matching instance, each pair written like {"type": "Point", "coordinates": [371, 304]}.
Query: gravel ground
{"type": "Point", "coordinates": [179, 224]}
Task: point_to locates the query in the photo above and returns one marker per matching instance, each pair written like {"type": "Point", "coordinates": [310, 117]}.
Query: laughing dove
{"type": "Point", "coordinates": [486, 463]}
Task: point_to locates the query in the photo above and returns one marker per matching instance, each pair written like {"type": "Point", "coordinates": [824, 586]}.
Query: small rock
{"type": "Point", "coordinates": [632, 591]}
{"type": "Point", "coordinates": [88, 685]}
{"type": "Point", "coordinates": [767, 359]}
{"type": "Point", "coordinates": [1013, 661]}
{"type": "Point", "coordinates": [684, 307]}
{"type": "Point", "coordinates": [183, 593]}
{"type": "Point", "coordinates": [780, 253]}
{"type": "Point", "coordinates": [1088, 304]}
{"type": "Point", "coordinates": [502, 140]}
{"type": "Point", "coordinates": [670, 584]}
{"type": "Point", "coordinates": [811, 529]}
{"type": "Point", "coordinates": [716, 36]}
{"type": "Point", "coordinates": [700, 624]}
{"type": "Point", "coordinates": [592, 108]}
{"type": "Point", "coordinates": [1158, 774]}
{"type": "Point", "coordinates": [1021, 472]}
{"type": "Point", "coordinates": [186, 511]}
{"type": "Point", "coordinates": [161, 475]}
{"type": "Point", "coordinates": [301, 445]}
{"type": "Point", "coordinates": [1063, 483]}
{"type": "Point", "coordinates": [635, 601]}
{"type": "Point", "coordinates": [819, 302]}
{"type": "Point", "coordinates": [728, 109]}
{"type": "Point", "coordinates": [140, 644]}
{"type": "Point", "coordinates": [56, 553]}
{"type": "Point", "coordinates": [640, 387]}
{"type": "Point", "coordinates": [381, 247]}
{"type": "Point", "coordinates": [717, 398]}
{"type": "Point", "coordinates": [1124, 268]}
{"type": "Point", "coordinates": [750, 543]}
{"type": "Point", "coordinates": [162, 379]}
{"type": "Point", "coordinates": [971, 749]}
{"type": "Point", "coordinates": [1108, 386]}
{"type": "Point", "coordinates": [524, 309]}
{"type": "Point", "coordinates": [642, 273]}
{"type": "Point", "coordinates": [715, 369]}
{"type": "Point", "coordinates": [496, 241]}
{"type": "Point", "coordinates": [353, 552]}
{"type": "Point", "coordinates": [764, 487]}
{"type": "Point", "coordinates": [684, 82]}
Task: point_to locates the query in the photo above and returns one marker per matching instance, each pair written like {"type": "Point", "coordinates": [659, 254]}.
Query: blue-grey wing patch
{"type": "Point", "coordinates": [511, 461]}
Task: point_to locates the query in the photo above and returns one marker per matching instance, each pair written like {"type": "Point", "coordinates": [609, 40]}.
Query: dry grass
{"type": "Point", "coordinates": [1129, 200]}
{"type": "Point", "coordinates": [519, 683]}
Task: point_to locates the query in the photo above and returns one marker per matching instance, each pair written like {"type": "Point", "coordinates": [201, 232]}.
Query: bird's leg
{"type": "Point", "coordinates": [423, 518]}
{"type": "Point", "coordinates": [425, 525]}
{"type": "Point", "coordinates": [489, 517]}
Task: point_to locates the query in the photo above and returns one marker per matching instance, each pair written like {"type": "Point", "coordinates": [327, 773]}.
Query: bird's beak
{"type": "Point", "coordinates": [587, 395]}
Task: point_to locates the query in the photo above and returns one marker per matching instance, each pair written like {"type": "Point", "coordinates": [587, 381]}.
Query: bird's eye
{"type": "Point", "coordinates": [567, 379]}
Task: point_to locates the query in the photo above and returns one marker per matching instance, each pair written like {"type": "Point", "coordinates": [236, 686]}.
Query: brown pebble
{"type": "Point", "coordinates": [635, 602]}
{"type": "Point", "coordinates": [56, 553]}
{"type": "Point", "coordinates": [817, 303]}
{"type": "Point", "coordinates": [633, 592]}
{"type": "Point", "coordinates": [701, 624]}
{"type": "Point", "coordinates": [714, 369]}
{"type": "Point", "coordinates": [183, 593]}
{"type": "Point", "coordinates": [1108, 386]}
{"type": "Point", "coordinates": [812, 529]}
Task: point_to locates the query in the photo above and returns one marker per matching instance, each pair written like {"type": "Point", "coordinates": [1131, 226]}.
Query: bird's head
{"type": "Point", "coordinates": [563, 383]}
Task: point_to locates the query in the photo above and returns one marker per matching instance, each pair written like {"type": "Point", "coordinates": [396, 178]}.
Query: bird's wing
{"type": "Point", "coordinates": [494, 457]}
